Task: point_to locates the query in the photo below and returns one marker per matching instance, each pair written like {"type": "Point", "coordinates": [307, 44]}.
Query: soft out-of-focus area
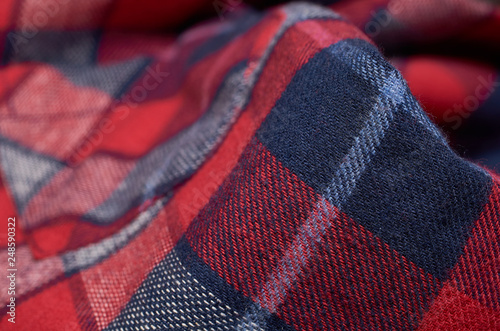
{"type": "Point", "coordinates": [448, 51]}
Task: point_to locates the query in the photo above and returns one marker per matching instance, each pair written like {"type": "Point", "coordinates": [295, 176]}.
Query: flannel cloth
{"type": "Point", "coordinates": [220, 165]}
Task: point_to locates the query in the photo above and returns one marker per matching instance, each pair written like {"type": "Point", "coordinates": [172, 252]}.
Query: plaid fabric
{"type": "Point", "coordinates": [263, 170]}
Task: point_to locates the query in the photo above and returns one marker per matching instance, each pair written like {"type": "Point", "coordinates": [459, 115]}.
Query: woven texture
{"type": "Point", "coordinates": [221, 165]}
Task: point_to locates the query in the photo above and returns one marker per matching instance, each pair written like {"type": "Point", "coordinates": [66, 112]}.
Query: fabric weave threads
{"type": "Point", "coordinates": [271, 169]}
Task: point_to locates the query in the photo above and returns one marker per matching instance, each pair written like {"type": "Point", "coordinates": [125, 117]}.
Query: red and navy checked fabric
{"type": "Point", "coordinates": [220, 165]}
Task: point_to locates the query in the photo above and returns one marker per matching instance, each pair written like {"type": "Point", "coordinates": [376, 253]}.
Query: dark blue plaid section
{"type": "Point", "coordinates": [315, 122]}
{"type": "Point", "coordinates": [419, 196]}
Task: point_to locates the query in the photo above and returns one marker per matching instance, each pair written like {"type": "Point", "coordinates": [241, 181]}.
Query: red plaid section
{"type": "Point", "coordinates": [478, 270]}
